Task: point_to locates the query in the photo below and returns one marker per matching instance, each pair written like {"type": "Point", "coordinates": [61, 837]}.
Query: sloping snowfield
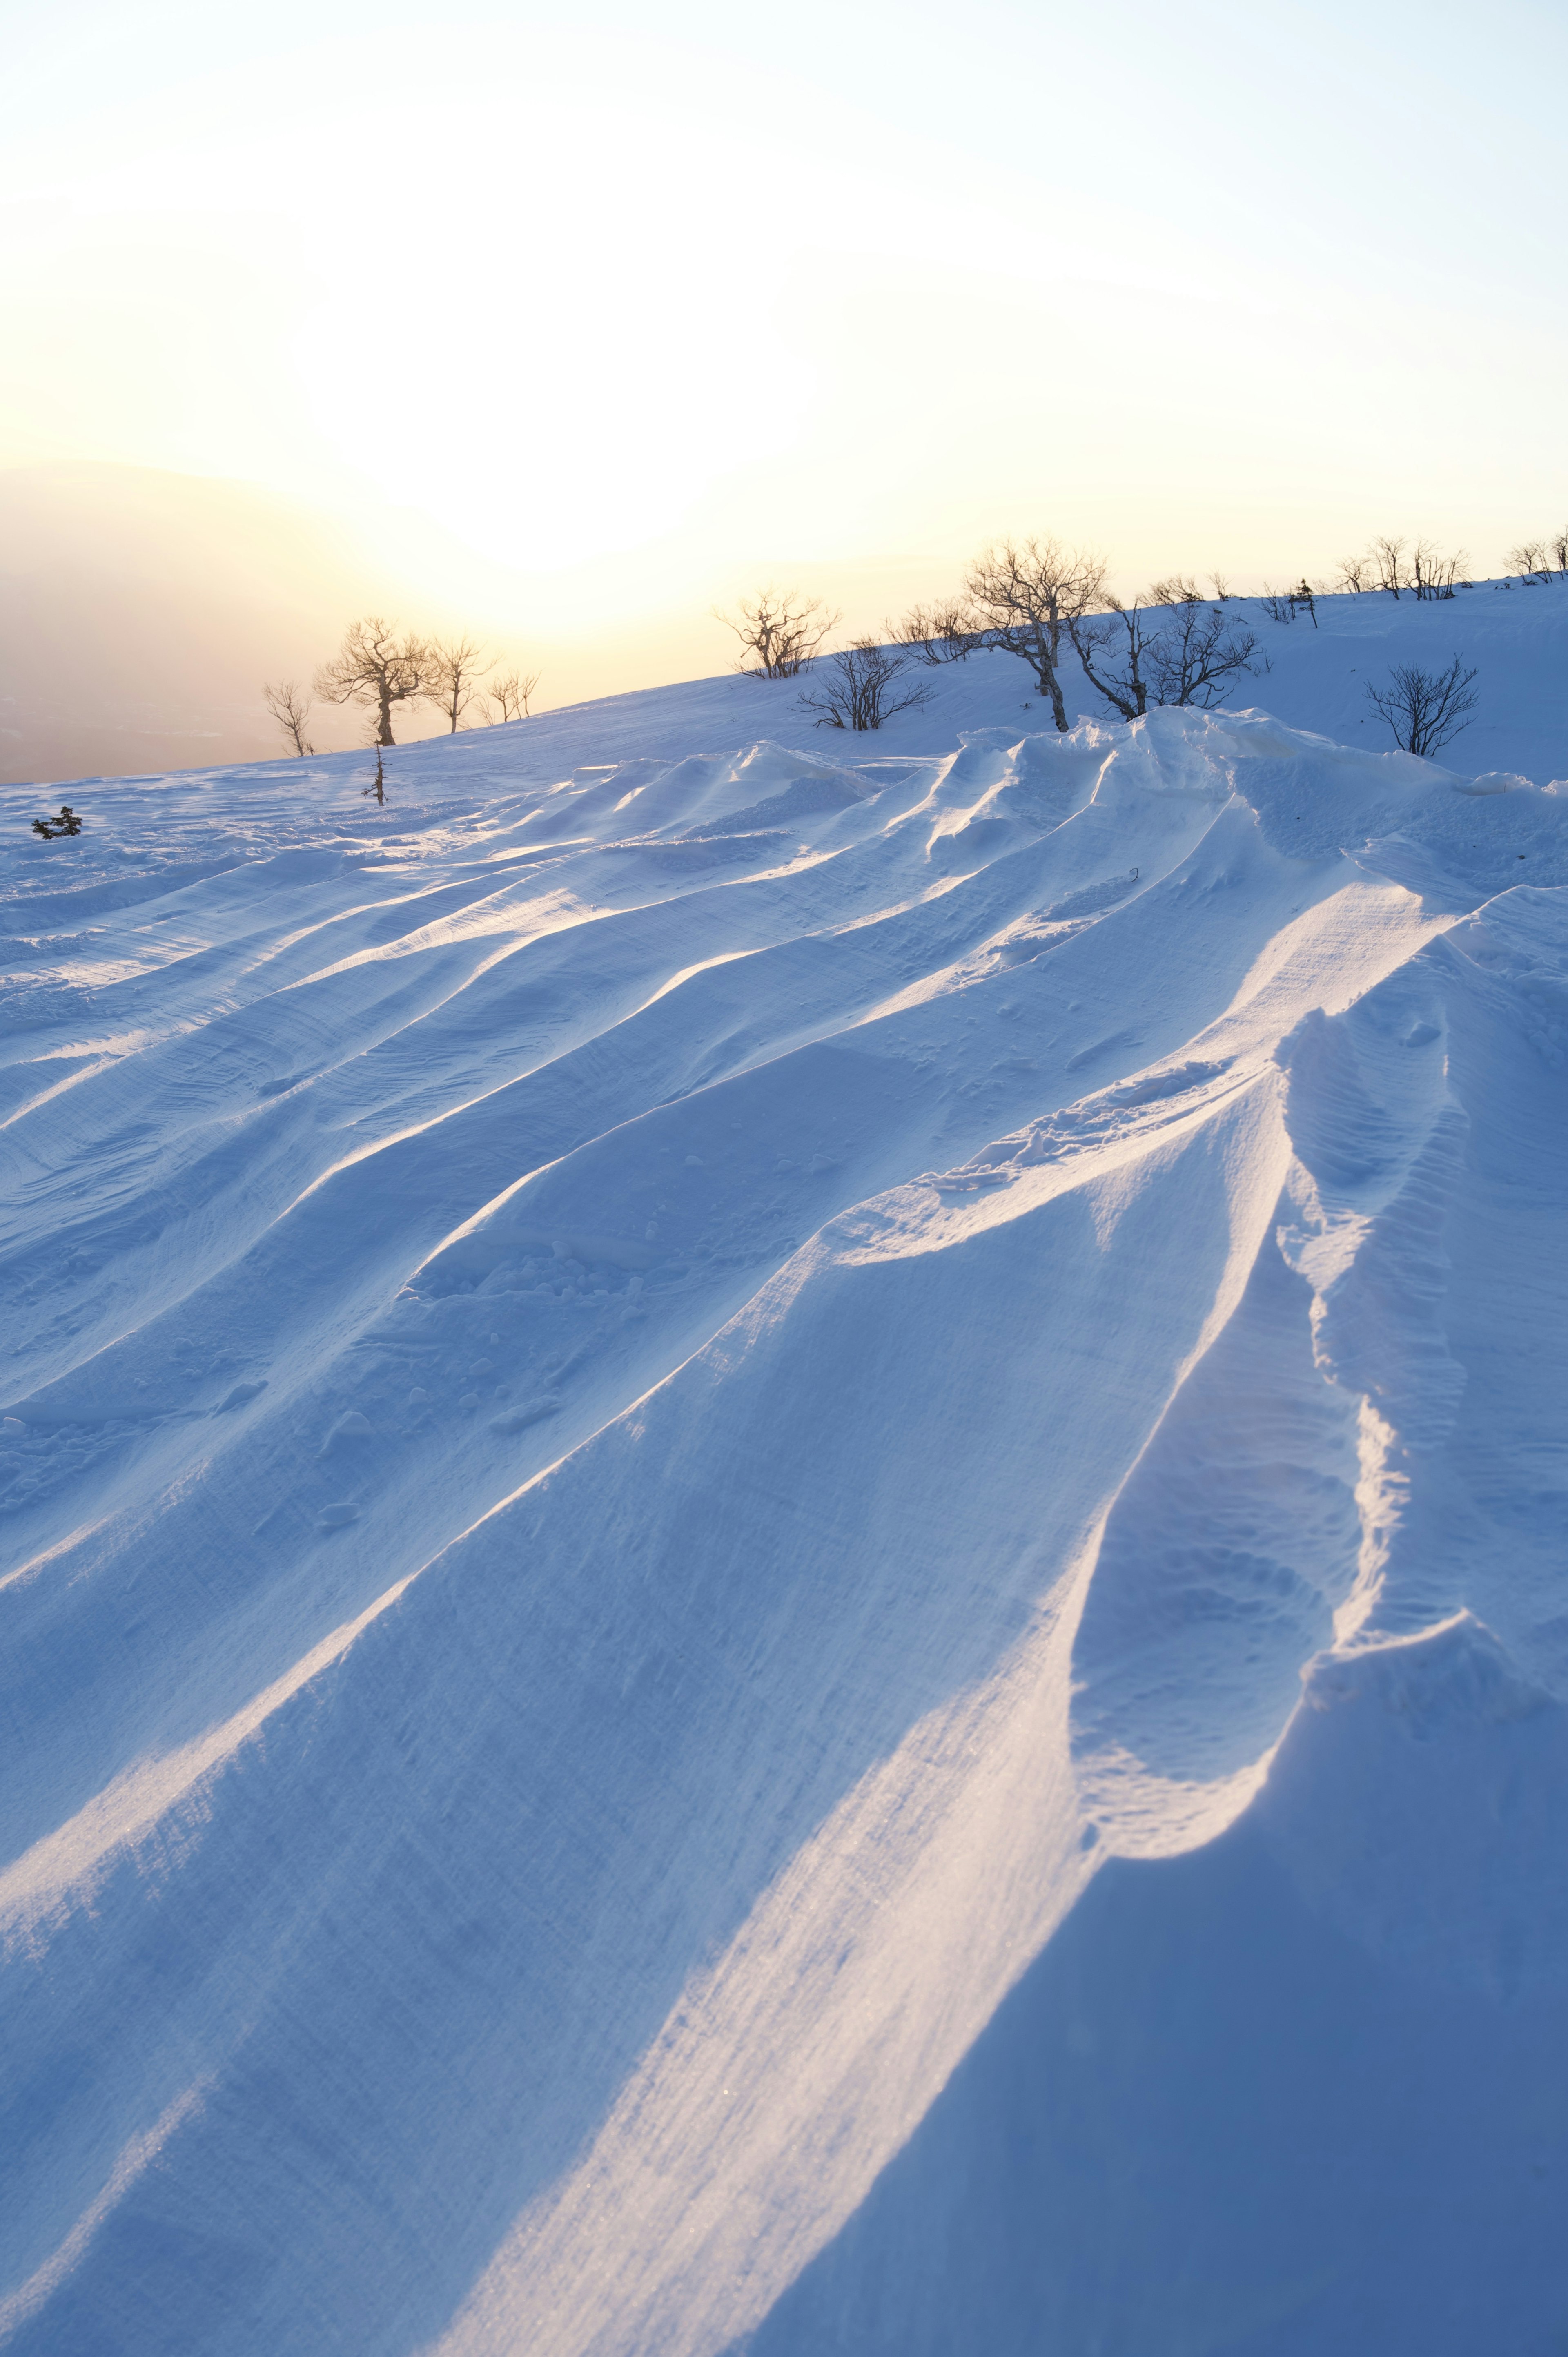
{"type": "Point", "coordinates": [787, 1551]}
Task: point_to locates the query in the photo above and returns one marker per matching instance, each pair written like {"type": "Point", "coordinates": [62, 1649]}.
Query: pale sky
{"type": "Point", "coordinates": [645, 304]}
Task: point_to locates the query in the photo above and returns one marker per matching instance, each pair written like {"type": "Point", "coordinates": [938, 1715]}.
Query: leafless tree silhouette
{"type": "Point", "coordinates": [780, 632]}
{"type": "Point", "coordinates": [1433, 574]}
{"type": "Point", "coordinates": [852, 688]}
{"type": "Point", "coordinates": [1529, 560]}
{"type": "Point", "coordinates": [1425, 709]}
{"type": "Point", "coordinates": [1386, 557]}
{"type": "Point", "coordinates": [452, 677]}
{"type": "Point", "coordinates": [1354, 573]}
{"type": "Point", "coordinates": [290, 708]}
{"type": "Point", "coordinates": [375, 667]}
{"type": "Point", "coordinates": [510, 693]}
{"type": "Point", "coordinates": [1023, 594]}
{"type": "Point", "coordinates": [1194, 658]}
{"type": "Point", "coordinates": [940, 633]}
{"type": "Point", "coordinates": [1112, 648]}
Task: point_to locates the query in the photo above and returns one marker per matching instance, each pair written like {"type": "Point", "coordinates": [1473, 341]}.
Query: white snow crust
{"type": "Point", "coordinates": [786, 1547]}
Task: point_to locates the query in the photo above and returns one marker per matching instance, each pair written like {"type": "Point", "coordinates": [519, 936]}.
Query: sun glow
{"type": "Point", "coordinates": [586, 329]}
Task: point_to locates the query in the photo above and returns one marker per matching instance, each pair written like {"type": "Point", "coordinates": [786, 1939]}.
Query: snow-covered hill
{"type": "Point", "coordinates": [787, 1542]}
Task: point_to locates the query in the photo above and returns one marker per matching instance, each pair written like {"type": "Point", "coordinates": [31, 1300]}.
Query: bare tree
{"type": "Point", "coordinates": [510, 693]}
{"type": "Point", "coordinates": [1221, 586]}
{"type": "Point", "coordinates": [452, 677]}
{"type": "Point", "coordinates": [1425, 709]}
{"type": "Point", "coordinates": [1560, 549]}
{"type": "Point", "coordinates": [852, 689]}
{"type": "Point", "coordinates": [1112, 648]}
{"type": "Point", "coordinates": [1385, 556]}
{"type": "Point", "coordinates": [1284, 605]}
{"type": "Point", "coordinates": [1189, 657]}
{"type": "Point", "coordinates": [1024, 593]}
{"type": "Point", "coordinates": [1433, 576]}
{"type": "Point", "coordinates": [939, 634]}
{"type": "Point", "coordinates": [375, 667]}
{"type": "Point", "coordinates": [1529, 561]}
{"type": "Point", "coordinates": [290, 708]}
{"type": "Point", "coordinates": [1196, 655]}
{"type": "Point", "coordinates": [781, 630]}
{"type": "Point", "coordinates": [1354, 573]}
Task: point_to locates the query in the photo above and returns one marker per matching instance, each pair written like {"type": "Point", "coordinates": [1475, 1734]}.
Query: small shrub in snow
{"type": "Point", "coordinates": [67, 822]}
{"type": "Point", "coordinates": [1284, 605]}
{"type": "Point", "coordinates": [1529, 561]}
{"type": "Point", "coordinates": [852, 689]}
{"type": "Point", "coordinates": [1425, 709]}
{"type": "Point", "coordinates": [939, 634]}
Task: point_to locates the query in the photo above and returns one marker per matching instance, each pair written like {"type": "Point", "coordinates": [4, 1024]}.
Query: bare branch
{"type": "Point", "coordinates": [1425, 709]}
{"type": "Point", "coordinates": [509, 691]}
{"type": "Point", "coordinates": [1112, 649]}
{"type": "Point", "coordinates": [1529, 560]}
{"type": "Point", "coordinates": [1173, 589]}
{"type": "Point", "coordinates": [781, 630]}
{"type": "Point", "coordinates": [375, 667]}
{"type": "Point", "coordinates": [939, 634]}
{"type": "Point", "coordinates": [1196, 656]}
{"type": "Point", "coordinates": [289, 707]}
{"type": "Point", "coordinates": [452, 677]}
{"type": "Point", "coordinates": [1023, 594]}
{"type": "Point", "coordinates": [1386, 558]}
{"type": "Point", "coordinates": [851, 689]}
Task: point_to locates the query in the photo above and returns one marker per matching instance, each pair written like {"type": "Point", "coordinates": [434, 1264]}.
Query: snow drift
{"type": "Point", "coordinates": [787, 1554]}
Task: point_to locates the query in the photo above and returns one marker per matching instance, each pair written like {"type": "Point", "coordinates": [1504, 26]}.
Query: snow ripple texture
{"type": "Point", "coordinates": [785, 1556]}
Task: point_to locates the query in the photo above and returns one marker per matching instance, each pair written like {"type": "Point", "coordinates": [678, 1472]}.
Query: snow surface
{"type": "Point", "coordinates": [787, 1543]}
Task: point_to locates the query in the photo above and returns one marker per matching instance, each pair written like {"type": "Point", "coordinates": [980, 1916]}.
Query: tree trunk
{"type": "Point", "coordinates": [385, 736]}
{"type": "Point", "coordinates": [1048, 641]}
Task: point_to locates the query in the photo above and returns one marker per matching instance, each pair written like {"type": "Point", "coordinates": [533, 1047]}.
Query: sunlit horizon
{"type": "Point", "coordinates": [583, 331]}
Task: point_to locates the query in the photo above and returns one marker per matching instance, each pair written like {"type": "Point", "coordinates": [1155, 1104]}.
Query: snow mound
{"type": "Point", "coordinates": [785, 1552]}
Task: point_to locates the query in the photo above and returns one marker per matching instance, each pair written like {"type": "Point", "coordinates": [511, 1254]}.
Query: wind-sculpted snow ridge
{"type": "Point", "coordinates": [787, 1557]}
